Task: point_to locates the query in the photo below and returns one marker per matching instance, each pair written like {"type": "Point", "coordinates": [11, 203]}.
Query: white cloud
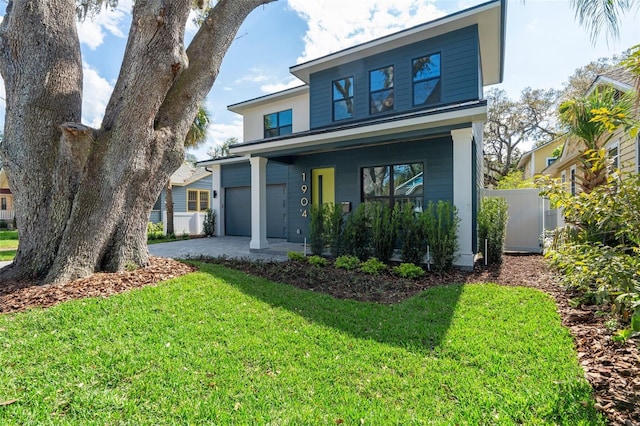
{"type": "Point", "coordinates": [255, 75]}
{"type": "Point", "coordinates": [338, 24]}
{"type": "Point", "coordinates": [277, 87]}
{"type": "Point", "coordinates": [97, 91]}
{"type": "Point", "coordinates": [217, 134]}
{"type": "Point", "coordinates": [92, 30]}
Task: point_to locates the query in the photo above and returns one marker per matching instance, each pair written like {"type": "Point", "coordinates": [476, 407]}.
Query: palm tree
{"type": "Point", "coordinates": [593, 119]}
{"type": "Point", "coordinates": [598, 14]}
{"type": "Point", "coordinates": [195, 137]}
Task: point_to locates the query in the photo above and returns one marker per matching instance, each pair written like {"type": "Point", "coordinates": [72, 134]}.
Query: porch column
{"type": "Point", "coordinates": [216, 202]}
{"type": "Point", "coordinates": [463, 193]}
{"type": "Point", "coordinates": [258, 203]}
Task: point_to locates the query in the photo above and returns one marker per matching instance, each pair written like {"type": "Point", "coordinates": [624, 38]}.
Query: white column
{"type": "Point", "coordinates": [258, 203]}
{"type": "Point", "coordinates": [216, 192]}
{"type": "Point", "coordinates": [463, 193]}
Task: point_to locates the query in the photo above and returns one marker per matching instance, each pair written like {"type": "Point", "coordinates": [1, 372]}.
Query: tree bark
{"type": "Point", "coordinates": [83, 196]}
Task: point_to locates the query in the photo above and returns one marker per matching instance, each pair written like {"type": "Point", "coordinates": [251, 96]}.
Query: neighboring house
{"type": "Point", "coordinates": [396, 119]}
{"type": "Point", "coordinates": [191, 191]}
{"type": "Point", "coordinates": [532, 163]}
{"type": "Point", "coordinates": [623, 150]}
{"type": "Point", "coordinates": [6, 199]}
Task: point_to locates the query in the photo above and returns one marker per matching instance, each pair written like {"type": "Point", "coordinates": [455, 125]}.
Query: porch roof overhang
{"type": "Point", "coordinates": [426, 122]}
{"type": "Point", "coordinates": [489, 17]}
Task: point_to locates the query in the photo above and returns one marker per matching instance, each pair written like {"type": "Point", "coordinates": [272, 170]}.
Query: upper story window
{"type": "Point", "coordinates": [381, 90]}
{"type": "Point", "coordinates": [551, 160]}
{"type": "Point", "coordinates": [278, 124]}
{"type": "Point", "coordinates": [426, 80]}
{"type": "Point", "coordinates": [343, 98]}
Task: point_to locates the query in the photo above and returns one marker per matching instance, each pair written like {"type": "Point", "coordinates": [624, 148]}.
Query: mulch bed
{"type": "Point", "coordinates": [613, 369]}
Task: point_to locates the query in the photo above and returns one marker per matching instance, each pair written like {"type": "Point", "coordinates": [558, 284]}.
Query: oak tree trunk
{"type": "Point", "coordinates": [83, 196]}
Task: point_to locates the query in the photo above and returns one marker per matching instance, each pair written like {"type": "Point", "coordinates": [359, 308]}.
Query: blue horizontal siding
{"type": "Point", "coordinates": [239, 174]}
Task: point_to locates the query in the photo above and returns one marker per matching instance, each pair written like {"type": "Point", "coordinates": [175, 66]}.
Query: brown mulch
{"type": "Point", "coordinates": [613, 369]}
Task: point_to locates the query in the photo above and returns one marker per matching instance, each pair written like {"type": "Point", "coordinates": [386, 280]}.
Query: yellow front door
{"type": "Point", "coordinates": [323, 187]}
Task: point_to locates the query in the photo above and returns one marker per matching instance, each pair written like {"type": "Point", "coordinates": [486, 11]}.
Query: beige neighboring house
{"type": "Point", "coordinates": [621, 148]}
{"type": "Point", "coordinates": [6, 199]}
{"type": "Point", "coordinates": [532, 163]}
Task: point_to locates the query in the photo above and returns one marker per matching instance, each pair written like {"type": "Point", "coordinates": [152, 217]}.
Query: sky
{"type": "Point", "coordinates": [544, 46]}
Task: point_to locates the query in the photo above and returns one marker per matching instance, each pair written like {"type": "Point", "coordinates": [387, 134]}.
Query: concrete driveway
{"type": "Point", "coordinates": [236, 247]}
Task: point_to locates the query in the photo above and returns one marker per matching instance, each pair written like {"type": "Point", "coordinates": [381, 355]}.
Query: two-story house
{"type": "Point", "coordinates": [395, 119]}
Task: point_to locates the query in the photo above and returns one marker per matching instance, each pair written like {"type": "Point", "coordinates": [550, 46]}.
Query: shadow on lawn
{"type": "Point", "coordinates": [419, 323]}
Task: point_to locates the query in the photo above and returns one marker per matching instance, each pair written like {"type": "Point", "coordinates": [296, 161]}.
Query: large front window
{"type": "Point", "coordinates": [381, 90]}
{"type": "Point", "coordinates": [197, 200]}
{"type": "Point", "coordinates": [426, 80]}
{"type": "Point", "coordinates": [399, 183]}
{"type": "Point", "coordinates": [343, 98]}
{"type": "Point", "coordinates": [278, 124]}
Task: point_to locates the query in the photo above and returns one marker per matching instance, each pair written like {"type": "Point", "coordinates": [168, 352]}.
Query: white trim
{"type": "Point", "coordinates": [614, 145]}
{"type": "Point", "coordinates": [380, 129]}
{"type": "Point", "coordinates": [226, 160]}
{"type": "Point", "coordinates": [216, 201]}
{"type": "Point", "coordinates": [463, 194]}
{"type": "Point", "coordinates": [240, 107]}
{"type": "Point", "coordinates": [258, 204]}
{"type": "Point", "coordinates": [573, 184]}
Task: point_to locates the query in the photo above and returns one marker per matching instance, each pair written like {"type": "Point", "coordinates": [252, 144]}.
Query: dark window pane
{"type": "Point", "coordinates": [426, 92]}
{"type": "Point", "coordinates": [381, 79]}
{"type": "Point", "coordinates": [271, 121]}
{"type": "Point", "coordinates": [285, 118]}
{"type": "Point", "coordinates": [381, 101]}
{"type": "Point", "coordinates": [269, 133]}
{"type": "Point", "coordinates": [285, 130]}
{"type": "Point", "coordinates": [342, 109]}
{"type": "Point", "coordinates": [376, 181]}
{"type": "Point", "coordinates": [343, 89]}
{"type": "Point", "coordinates": [426, 67]}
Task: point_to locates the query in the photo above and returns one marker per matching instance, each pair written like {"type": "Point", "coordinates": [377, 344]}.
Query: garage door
{"type": "Point", "coordinates": [238, 211]}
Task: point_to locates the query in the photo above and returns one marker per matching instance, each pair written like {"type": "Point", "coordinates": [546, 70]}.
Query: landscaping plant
{"type": "Point", "coordinates": [357, 233]}
{"type": "Point", "coordinates": [317, 229]}
{"type": "Point", "coordinates": [411, 235]}
{"type": "Point", "coordinates": [408, 270]}
{"type": "Point", "coordinates": [334, 228]}
{"type": "Point", "coordinates": [372, 266]}
{"type": "Point", "coordinates": [347, 262]}
{"type": "Point", "coordinates": [383, 230]}
{"type": "Point", "coordinates": [492, 227]}
{"type": "Point", "coordinates": [440, 223]}
{"type": "Point", "coordinates": [209, 225]}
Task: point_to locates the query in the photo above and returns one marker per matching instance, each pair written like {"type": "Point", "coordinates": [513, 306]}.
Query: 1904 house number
{"type": "Point", "coordinates": [304, 200]}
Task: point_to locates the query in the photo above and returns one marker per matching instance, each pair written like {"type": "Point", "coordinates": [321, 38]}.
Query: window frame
{"type": "Point", "coordinates": [278, 128]}
{"type": "Point", "coordinates": [415, 82]}
{"type": "Point", "coordinates": [4, 204]}
{"type": "Point", "coordinates": [390, 89]}
{"type": "Point", "coordinates": [551, 160]}
{"type": "Point", "coordinates": [615, 145]}
{"type": "Point", "coordinates": [198, 200]}
{"type": "Point", "coordinates": [572, 180]}
{"type": "Point", "coordinates": [391, 198]}
{"type": "Point", "coordinates": [344, 99]}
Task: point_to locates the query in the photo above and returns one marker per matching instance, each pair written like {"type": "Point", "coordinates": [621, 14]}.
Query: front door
{"type": "Point", "coordinates": [323, 188]}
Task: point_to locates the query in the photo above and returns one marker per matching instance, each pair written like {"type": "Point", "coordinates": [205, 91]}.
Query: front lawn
{"type": "Point", "coordinates": [6, 255]}
{"type": "Point", "coordinates": [8, 240]}
{"type": "Point", "coordinates": [221, 347]}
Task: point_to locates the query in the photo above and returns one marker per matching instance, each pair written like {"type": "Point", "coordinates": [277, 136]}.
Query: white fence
{"type": "Point", "coordinates": [529, 215]}
{"type": "Point", "coordinates": [6, 214]}
{"type": "Point", "coordinates": [185, 223]}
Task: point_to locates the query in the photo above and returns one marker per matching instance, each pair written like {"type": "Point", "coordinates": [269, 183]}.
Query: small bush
{"type": "Point", "coordinates": [411, 235]}
{"type": "Point", "coordinates": [4, 224]}
{"type": "Point", "coordinates": [334, 228]}
{"type": "Point", "coordinates": [440, 225]}
{"type": "Point", "coordinates": [492, 226]}
{"type": "Point", "coordinates": [372, 266]}
{"type": "Point", "coordinates": [383, 230]}
{"type": "Point", "coordinates": [408, 270]}
{"type": "Point", "coordinates": [347, 262]}
{"type": "Point", "coordinates": [209, 224]}
{"type": "Point", "coordinates": [357, 234]}
{"type": "Point", "coordinates": [316, 260]}
{"type": "Point", "coordinates": [316, 229]}
{"type": "Point", "coordinates": [296, 256]}
{"type": "Point", "coordinates": [154, 231]}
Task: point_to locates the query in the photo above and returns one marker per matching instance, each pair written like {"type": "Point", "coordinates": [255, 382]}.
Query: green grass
{"type": "Point", "coordinates": [6, 255]}
{"type": "Point", "coordinates": [8, 240]}
{"type": "Point", "coordinates": [220, 347]}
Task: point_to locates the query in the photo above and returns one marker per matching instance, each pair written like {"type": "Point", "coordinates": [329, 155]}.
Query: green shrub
{"type": "Point", "coordinates": [316, 260]}
{"type": "Point", "coordinates": [357, 235]}
{"type": "Point", "coordinates": [492, 226]}
{"type": "Point", "coordinates": [440, 224]}
{"type": "Point", "coordinates": [372, 266]}
{"type": "Point", "coordinates": [296, 256]}
{"type": "Point", "coordinates": [209, 224]}
{"type": "Point", "coordinates": [154, 231]}
{"type": "Point", "coordinates": [4, 224]}
{"type": "Point", "coordinates": [347, 262]}
{"type": "Point", "coordinates": [334, 228]}
{"type": "Point", "coordinates": [411, 235]}
{"type": "Point", "coordinates": [383, 230]}
{"type": "Point", "coordinates": [408, 270]}
{"type": "Point", "coordinates": [316, 229]}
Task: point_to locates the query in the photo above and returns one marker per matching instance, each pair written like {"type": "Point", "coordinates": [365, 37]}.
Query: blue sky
{"type": "Point", "coordinates": [544, 45]}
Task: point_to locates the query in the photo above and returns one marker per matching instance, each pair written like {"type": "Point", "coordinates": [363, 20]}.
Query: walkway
{"type": "Point", "coordinates": [236, 247]}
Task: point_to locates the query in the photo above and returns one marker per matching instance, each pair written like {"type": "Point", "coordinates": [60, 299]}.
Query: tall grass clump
{"type": "Point", "coordinates": [440, 224]}
{"type": "Point", "coordinates": [383, 231]}
{"type": "Point", "coordinates": [357, 235]}
{"type": "Point", "coordinates": [317, 229]}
